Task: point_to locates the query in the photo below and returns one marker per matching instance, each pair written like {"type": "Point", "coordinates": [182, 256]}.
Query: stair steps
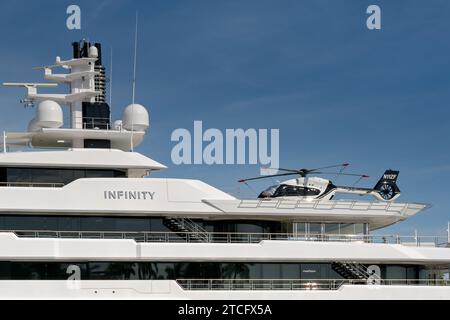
{"type": "Point", "coordinates": [187, 229]}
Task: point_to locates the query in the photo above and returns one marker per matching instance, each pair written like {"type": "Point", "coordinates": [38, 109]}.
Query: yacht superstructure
{"type": "Point", "coordinates": [82, 218]}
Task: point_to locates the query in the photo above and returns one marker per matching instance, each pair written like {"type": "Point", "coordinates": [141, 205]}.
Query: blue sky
{"type": "Point", "coordinates": [337, 91]}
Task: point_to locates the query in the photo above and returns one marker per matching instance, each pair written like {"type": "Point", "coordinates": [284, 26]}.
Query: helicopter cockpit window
{"type": "Point", "coordinates": [312, 192]}
{"type": "Point", "coordinates": [295, 191]}
{"type": "Point", "coordinates": [268, 193]}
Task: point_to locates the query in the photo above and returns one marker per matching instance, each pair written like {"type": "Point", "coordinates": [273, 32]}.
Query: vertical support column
{"type": "Point", "coordinates": [448, 232]}
{"type": "Point", "coordinates": [77, 86]}
{"type": "Point", "coordinates": [4, 141]}
{"type": "Point", "coordinates": [76, 109]}
{"type": "Point", "coordinates": [416, 237]}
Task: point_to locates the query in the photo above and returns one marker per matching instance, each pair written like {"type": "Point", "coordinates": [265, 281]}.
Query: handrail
{"type": "Point", "coordinates": [31, 184]}
{"type": "Point", "coordinates": [361, 269]}
{"type": "Point", "coordinates": [93, 122]}
{"type": "Point", "coordinates": [328, 205]}
{"type": "Point", "coordinates": [294, 285]}
{"type": "Point", "coordinates": [231, 237]}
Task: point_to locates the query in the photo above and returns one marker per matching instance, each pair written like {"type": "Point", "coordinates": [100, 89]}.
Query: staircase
{"type": "Point", "coordinates": [187, 229]}
{"type": "Point", "coordinates": [354, 271]}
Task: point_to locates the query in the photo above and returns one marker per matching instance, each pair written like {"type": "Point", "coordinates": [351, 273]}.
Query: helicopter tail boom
{"type": "Point", "coordinates": [385, 190]}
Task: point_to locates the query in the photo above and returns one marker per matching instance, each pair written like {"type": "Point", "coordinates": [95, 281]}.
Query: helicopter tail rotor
{"type": "Point", "coordinates": [387, 187]}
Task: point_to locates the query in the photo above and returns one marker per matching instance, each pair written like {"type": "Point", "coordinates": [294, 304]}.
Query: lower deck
{"type": "Point", "coordinates": [183, 230]}
{"type": "Point", "coordinates": [218, 255]}
{"type": "Point", "coordinates": [231, 275]}
{"type": "Point", "coordinates": [167, 290]}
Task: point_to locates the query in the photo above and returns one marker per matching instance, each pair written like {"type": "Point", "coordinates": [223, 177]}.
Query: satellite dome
{"type": "Point", "coordinates": [49, 115]}
{"type": "Point", "coordinates": [136, 118]}
{"type": "Point", "coordinates": [93, 52]}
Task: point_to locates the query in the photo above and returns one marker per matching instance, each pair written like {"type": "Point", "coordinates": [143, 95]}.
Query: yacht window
{"type": "Point", "coordinates": [100, 174]}
{"type": "Point", "coordinates": [18, 175]}
{"type": "Point", "coordinates": [301, 228]}
{"type": "Point", "coordinates": [352, 229]}
{"type": "Point", "coordinates": [315, 228]}
{"type": "Point", "coordinates": [129, 270]}
{"type": "Point", "coordinates": [27, 176]}
{"type": "Point", "coordinates": [332, 228]}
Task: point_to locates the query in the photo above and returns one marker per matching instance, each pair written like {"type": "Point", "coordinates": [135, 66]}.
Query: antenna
{"type": "Point", "coordinates": [135, 57]}
{"type": "Point", "coordinates": [134, 80]}
{"type": "Point", "coordinates": [111, 79]}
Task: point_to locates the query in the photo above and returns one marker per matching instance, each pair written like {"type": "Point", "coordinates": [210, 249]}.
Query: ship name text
{"type": "Point", "coordinates": [129, 195]}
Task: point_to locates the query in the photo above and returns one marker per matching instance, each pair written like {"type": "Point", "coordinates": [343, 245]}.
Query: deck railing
{"type": "Point", "coordinates": [250, 238]}
{"type": "Point", "coordinates": [293, 285]}
{"type": "Point", "coordinates": [96, 123]}
{"type": "Point", "coordinates": [31, 185]}
{"type": "Point", "coordinates": [331, 205]}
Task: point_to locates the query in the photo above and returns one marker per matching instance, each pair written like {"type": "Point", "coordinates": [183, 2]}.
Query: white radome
{"type": "Point", "coordinates": [49, 114]}
{"type": "Point", "coordinates": [136, 118]}
{"type": "Point", "coordinates": [93, 52]}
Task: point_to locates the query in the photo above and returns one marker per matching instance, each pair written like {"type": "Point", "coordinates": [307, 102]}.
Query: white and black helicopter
{"type": "Point", "coordinates": [315, 188]}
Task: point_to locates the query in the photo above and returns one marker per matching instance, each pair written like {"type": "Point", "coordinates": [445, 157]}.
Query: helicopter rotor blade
{"type": "Point", "coordinates": [344, 165]}
{"type": "Point", "coordinates": [309, 171]}
{"type": "Point", "coordinates": [343, 174]}
{"type": "Point", "coordinates": [288, 170]}
{"type": "Point", "coordinates": [267, 177]}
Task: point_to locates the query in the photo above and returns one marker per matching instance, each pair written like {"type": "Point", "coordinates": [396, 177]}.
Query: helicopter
{"type": "Point", "coordinates": [315, 188]}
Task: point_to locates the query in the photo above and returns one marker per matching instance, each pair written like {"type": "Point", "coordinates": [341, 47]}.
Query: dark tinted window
{"type": "Point", "coordinates": [295, 191]}
{"type": "Point", "coordinates": [187, 270]}
{"type": "Point", "coordinates": [97, 144]}
{"type": "Point", "coordinates": [54, 176]}
{"type": "Point", "coordinates": [312, 192]}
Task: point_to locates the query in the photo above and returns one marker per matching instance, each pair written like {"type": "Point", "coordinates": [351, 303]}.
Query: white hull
{"type": "Point", "coordinates": [170, 290]}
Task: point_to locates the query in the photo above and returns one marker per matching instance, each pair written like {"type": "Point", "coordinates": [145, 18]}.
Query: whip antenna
{"type": "Point", "coordinates": [111, 79]}
{"type": "Point", "coordinates": [134, 80]}
{"type": "Point", "coordinates": [135, 57]}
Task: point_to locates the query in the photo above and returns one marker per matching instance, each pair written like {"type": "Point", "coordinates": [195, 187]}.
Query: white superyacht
{"type": "Point", "coordinates": [81, 218]}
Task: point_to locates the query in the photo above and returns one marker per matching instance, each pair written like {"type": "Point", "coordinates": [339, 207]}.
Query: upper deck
{"type": "Point", "coordinates": [80, 158]}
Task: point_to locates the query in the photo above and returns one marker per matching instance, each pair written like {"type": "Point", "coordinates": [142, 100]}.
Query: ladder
{"type": "Point", "coordinates": [354, 270]}
{"type": "Point", "coordinates": [187, 229]}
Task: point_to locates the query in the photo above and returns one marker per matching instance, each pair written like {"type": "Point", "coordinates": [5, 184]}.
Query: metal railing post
{"type": "Point", "coordinates": [4, 142]}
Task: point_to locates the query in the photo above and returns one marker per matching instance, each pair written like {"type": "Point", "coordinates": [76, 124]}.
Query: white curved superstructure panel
{"type": "Point", "coordinates": [115, 196]}
{"type": "Point", "coordinates": [80, 158]}
{"type": "Point", "coordinates": [13, 248]}
{"type": "Point", "coordinates": [112, 196]}
{"type": "Point", "coordinates": [186, 198]}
